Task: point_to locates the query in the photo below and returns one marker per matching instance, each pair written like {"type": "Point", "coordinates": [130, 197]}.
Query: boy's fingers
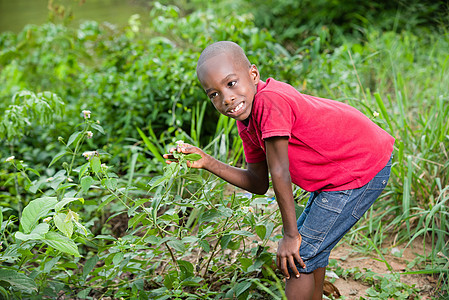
{"type": "Point", "coordinates": [284, 268]}
{"type": "Point", "coordinates": [293, 266]}
{"type": "Point", "coordinates": [299, 260]}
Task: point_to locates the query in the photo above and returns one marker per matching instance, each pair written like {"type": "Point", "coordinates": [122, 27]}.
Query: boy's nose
{"type": "Point", "coordinates": [229, 99]}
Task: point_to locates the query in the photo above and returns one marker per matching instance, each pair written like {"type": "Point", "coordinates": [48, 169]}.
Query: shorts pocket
{"type": "Point", "coordinates": [371, 192]}
{"type": "Point", "coordinates": [323, 213]}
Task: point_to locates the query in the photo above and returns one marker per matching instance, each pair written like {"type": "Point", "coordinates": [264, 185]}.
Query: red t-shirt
{"type": "Point", "coordinates": [332, 146]}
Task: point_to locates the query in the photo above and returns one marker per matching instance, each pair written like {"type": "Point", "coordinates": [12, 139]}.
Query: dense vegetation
{"type": "Point", "coordinates": [123, 224]}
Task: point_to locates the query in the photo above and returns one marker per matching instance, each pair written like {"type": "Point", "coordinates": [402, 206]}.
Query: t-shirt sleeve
{"type": "Point", "coordinates": [274, 115]}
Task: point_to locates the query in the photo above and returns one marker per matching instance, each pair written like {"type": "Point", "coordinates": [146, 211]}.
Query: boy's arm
{"type": "Point", "coordinates": [278, 164]}
{"type": "Point", "coordinates": [254, 179]}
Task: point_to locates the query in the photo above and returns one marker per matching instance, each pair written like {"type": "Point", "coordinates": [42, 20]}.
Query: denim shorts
{"type": "Point", "coordinates": [329, 215]}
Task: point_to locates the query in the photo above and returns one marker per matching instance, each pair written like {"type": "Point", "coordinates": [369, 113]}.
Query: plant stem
{"type": "Point", "coordinates": [211, 256]}
{"type": "Point", "coordinates": [16, 184]}
{"type": "Point", "coordinates": [175, 261]}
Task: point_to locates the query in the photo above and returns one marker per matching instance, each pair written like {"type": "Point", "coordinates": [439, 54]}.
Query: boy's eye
{"type": "Point", "coordinates": [231, 83]}
{"type": "Point", "coordinates": [213, 95]}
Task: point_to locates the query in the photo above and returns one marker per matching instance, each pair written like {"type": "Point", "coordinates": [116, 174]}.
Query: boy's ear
{"type": "Point", "coordinates": [254, 74]}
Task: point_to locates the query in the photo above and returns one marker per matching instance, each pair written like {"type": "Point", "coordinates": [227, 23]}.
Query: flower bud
{"type": "Point", "coordinates": [86, 114]}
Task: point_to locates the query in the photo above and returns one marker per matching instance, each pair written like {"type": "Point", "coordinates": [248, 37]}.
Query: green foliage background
{"type": "Point", "coordinates": [388, 57]}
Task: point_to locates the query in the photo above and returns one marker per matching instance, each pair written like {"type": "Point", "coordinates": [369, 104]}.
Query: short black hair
{"type": "Point", "coordinates": [217, 48]}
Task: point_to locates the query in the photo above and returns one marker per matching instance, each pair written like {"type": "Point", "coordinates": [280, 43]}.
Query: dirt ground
{"type": "Point", "coordinates": [352, 289]}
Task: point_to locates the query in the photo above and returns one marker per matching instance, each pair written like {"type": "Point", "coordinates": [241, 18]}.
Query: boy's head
{"type": "Point", "coordinates": [228, 78]}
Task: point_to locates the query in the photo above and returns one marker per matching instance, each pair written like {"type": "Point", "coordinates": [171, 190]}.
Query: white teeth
{"type": "Point", "coordinates": [238, 107]}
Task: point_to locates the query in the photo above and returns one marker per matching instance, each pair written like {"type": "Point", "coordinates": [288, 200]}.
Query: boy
{"type": "Point", "coordinates": [325, 147]}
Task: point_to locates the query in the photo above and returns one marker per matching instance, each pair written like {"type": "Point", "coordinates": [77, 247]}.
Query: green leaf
{"type": "Point", "coordinates": [177, 245]}
{"type": "Point", "coordinates": [106, 202]}
{"type": "Point", "coordinates": [1, 219]}
{"type": "Point", "coordinates": [192, 281]}
{"type": "Point", "coordinates": [74, 137]}
{"type": "Point", "coordinates": [61, 243]}
{"type": "Point", "coordinates": [241, 232]}
{"type": "Point", "coordinates": [245, 262]}
{"type": "Point", "coordinates": [225, 241]}
{"type": "Point", "coordinates": [134, 221]}
{"type": "Point", "coordinates": [65, 226]}
{"type": "Point", "coordinates": [209, 215]}
{"type": "Point", "coordinates": [81, 227]}
{"type": "Point", "coordinates": [50, 264]}
{"type": "Point", "coordinates": [153, 149]}
{"type": "Point", "coordinates": [57, 157]}
{"type": "Point", "coordinates": [110, 183]}
{"type": "Point", "coordinates": [169, 278]}
{"type": "Point", "coordinates": [33, 171]}
{"type": "Point", "coordinates": [83, 169]}
{"type": "Point", "coordinates": [152, 239]}
{"type": "Point", "coordinates": [35, 210]}
{"type": "Point", "coordinates": [98, 128]}
{"type": "Point", "coordinates": [18, 280]}
{"type": "Point", "coordinates": [193, 177]}
{"type": "Point", "coordinates": [86, 182]}
{"type": "Point", "coordinates": [261, 231]}
{"type": "Point", "coordinates": [65, 201]}
{"type": "Point", "coordinates": [241, 287]}
{"type": "Point", "coordinates": [205, 245]}
{"type": "Point", "coordinates": [186, 269]}
{"type": "Point", "coordinates": [192, 157]}
{"type": "Point", "coordinates": [89, 265]}
{"type": "Point", "coordinates": [157, 180]}
{"type": "Point", "coordinates": [118, 257]}
{"type": "Point", "coordinates": [38, 233]}
{"type": "Point", "coordinates": [65, 186]}
{"type": "Point", "coordinates": [106, 237]}
{"type": "Point", "coordinates": [95, 164]}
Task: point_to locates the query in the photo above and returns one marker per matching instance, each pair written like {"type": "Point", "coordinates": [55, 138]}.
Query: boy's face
{"type": "Point", "coordinates": [230, 86]}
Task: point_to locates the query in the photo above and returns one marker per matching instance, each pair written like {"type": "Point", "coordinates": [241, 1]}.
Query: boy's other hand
{"type": "Point", "coordinates": [187, 149]}
{"type": "Point", "coordinates": [287, 253]}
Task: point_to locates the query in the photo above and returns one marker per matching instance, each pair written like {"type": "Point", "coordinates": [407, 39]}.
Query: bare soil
{"type": "Point", "coordinates": [352, 289]}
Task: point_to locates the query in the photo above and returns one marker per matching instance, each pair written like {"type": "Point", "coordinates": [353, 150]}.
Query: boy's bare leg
{"type": "Point", "coordinates": [306, 287]}
{"type": "Point", "coordinates": [301, 288]}
{"type": "Point", "coordinates": [319, 282]}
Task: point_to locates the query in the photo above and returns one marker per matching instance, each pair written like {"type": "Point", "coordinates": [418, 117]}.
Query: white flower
{"type": "Point", "coordinates": [46, 220]}
{"type": "Point", "coordinates": [179, 143]}
{"type": "Point", "coordinates": [98, 121]}
{"type": "Point", "coordinates": [86, 114]}
{"type": "Point", "coordinates": [89, 154]}
{"type": "Point", "coordinates": [11, 158]}
{"type": "Point", "coordinates": [69, 179]}
{"type": "Point", "coordinates": [375, 114]}
{"type": "Point", "coordinates": [89, 134]}
{"type": "Point", "coordinates": [104, 166]}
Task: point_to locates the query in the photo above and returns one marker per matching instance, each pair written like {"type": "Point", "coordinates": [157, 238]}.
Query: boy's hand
{"type": "Point", "coordinates": [188, 149]}
{"type": "Point", "coordinates": [287, 253]}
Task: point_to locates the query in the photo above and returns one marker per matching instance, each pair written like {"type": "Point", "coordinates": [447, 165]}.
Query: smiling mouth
{"type": "Point", "coordinates": [237, 108]}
